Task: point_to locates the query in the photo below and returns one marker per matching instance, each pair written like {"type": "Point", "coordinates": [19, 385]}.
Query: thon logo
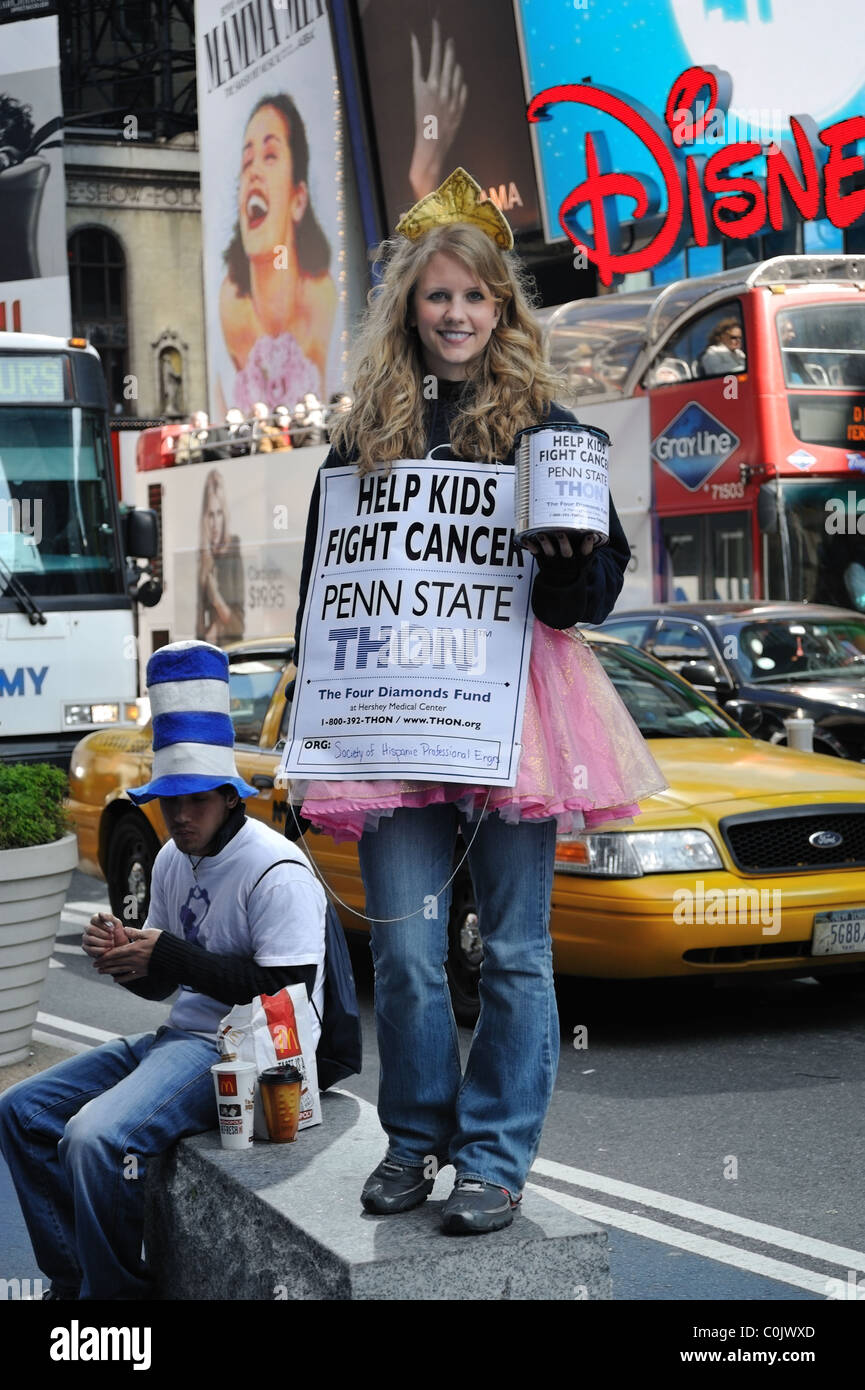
{"type": "Point", "coordinates": [193, 912]}
{"type": "Point", "coordinates": [693, 446]}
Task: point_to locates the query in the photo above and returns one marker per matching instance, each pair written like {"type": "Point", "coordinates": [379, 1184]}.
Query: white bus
{"type": "Point", "coordinates": [68, 591]}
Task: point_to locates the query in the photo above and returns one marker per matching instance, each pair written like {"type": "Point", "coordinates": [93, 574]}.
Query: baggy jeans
{"type": "Point", "coordinates": [77, 1139]}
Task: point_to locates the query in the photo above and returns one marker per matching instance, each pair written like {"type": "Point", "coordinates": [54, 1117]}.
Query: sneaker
{"type": "Point", "coordinates": [475, 1207]}
{"type": "Point", "coordinates": [393, 1187]}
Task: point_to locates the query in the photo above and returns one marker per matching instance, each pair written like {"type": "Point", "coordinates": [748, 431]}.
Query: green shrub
{"type": "Point", "coordinates": [31, 805]}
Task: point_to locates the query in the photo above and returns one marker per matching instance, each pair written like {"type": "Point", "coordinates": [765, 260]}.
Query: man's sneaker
{"type": "Point", "coordinates": [393, 1187]}
{"type": "Point", "coordinates": [475, 1207]}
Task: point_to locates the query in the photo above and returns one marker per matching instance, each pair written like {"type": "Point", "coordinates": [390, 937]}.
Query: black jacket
{"type": "Point", "coordinates": [580, 590]}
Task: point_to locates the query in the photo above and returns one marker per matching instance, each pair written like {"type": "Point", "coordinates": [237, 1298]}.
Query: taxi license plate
{"type": "Point", "coordinates": [839, 933]}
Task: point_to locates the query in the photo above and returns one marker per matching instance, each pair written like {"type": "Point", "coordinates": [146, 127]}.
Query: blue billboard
{"type": "Point", "coordinates": [783, 59]}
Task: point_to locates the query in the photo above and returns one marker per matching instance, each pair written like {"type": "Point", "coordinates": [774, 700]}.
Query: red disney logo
{"type": "Point", "coordinates": [748, 205]}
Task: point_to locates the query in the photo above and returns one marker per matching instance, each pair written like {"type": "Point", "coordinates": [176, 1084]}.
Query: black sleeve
{"type": "Point", "coordinates": [155, 986]}
{"type": "Point", "coordinates": [584, 588]}
{"type": "Point", "coordinates": [230, 979]}
{"type": "Point", "coordinates": [308, 552]}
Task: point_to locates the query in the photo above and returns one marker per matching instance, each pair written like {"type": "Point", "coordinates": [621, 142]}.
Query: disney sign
{"type": "Point", "coordinates": [705, 199]}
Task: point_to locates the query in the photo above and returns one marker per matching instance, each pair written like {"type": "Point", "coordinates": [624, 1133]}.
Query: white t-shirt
{"type": "Point", "coordinates": [215, 905]}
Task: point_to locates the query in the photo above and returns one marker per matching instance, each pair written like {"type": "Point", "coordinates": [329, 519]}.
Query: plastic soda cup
{"type": "Point", "coordinates": [234, 1083]}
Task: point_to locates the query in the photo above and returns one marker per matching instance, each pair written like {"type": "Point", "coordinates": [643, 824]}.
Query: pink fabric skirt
{"type": "Point", "coordinates": [583, 759]}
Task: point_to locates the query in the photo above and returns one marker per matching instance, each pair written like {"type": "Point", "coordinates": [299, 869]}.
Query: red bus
{"type": "Point", "coordinates": [736, 406]}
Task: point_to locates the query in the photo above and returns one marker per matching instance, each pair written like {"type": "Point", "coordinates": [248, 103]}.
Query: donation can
{"type": "Point", "coordinates": [562, 480]}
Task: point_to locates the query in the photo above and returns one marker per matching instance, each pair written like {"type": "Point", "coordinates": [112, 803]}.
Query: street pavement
{"type": "Point", "coordinates": [716, 1136]}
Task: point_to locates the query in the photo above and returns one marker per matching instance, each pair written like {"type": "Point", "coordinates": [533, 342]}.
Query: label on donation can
{"type": "Point", "coordinates": [562, 480]}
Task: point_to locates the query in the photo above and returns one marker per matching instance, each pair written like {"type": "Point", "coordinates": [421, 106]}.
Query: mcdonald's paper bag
{"type": "Point", "coordinates": [274, 1030]}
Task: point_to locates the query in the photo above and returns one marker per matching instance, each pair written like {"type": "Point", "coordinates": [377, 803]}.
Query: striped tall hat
{"type": "Point", "coordinates": [193, 737]}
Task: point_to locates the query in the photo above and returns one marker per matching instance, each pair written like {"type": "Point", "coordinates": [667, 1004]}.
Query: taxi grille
{"type": "Point", "coordinates": [777, 840]}
{"type": "Point", "coordinates": [736, 955]}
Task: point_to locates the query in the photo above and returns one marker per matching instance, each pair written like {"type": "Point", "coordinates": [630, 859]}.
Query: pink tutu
{"type": "Point", "coordinates": [583, 758]}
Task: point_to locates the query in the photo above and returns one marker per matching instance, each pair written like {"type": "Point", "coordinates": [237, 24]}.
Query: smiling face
{"type": "Point", "coordinates": [270, 201]}
{"type": "Point", "coordinates": [194, 819]}
{"type": "Point", "coordinates": [454, 313]}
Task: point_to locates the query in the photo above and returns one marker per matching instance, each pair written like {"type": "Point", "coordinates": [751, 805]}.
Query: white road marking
{"type": "Point", "coordinates": [65, 949]}
{"type": "Point", "coordinates": [69, 1025]}
{"type": "Point", "coordinates": [686, 1240]}
{"type": "Point", "coordinates": [56, 964]}
{"type": "Point", "coordinates": [55, 1040]}
{"type": "Point", "coordinates": [707, 1216]}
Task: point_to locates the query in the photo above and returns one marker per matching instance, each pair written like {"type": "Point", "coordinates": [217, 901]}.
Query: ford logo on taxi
{"type": "Point", "coordinates": [693, 446]}
{"type": "Point", "coordinates": [825, 839]}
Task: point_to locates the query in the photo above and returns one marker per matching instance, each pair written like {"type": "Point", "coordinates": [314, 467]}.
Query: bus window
{"type": "Point", "coordinates": [711, 345]}
{"type": "Point", "coordinates": [55, 463]}
{"type": "Point", "coordinates": [824, 565]}
{"type": "Point", "coordinates": [724, 352]}
{"type": "Point", "coordinates": [823, 345]}
{"type": "Point", "coordinates": [682, 563]}
{"type": "Point", "coordinates": [730, 540]}
{"type": "Point", "coordinates": [707, 557]}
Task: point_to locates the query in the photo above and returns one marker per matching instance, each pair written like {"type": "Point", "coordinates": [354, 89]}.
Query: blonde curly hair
{"type": "Point", "coordinates": [511, 384]}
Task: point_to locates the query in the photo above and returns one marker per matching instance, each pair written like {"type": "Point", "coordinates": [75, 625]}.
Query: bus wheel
{"type": "Point", "coordinates": [131, 854]}
{"type": "Point", "coordinates": [465, 951]}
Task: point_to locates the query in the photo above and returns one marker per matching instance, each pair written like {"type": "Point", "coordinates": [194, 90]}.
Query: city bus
{"type": "Point", "coordinates": [70, 581]}
{"type": "Point", "coordinates": [736, 406]}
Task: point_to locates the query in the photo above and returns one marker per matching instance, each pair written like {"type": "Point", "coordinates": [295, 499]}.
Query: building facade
{"type": "Point", "coordinates": [134, 237]}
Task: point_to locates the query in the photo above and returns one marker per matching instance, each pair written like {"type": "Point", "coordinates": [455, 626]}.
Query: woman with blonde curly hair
{"type": "Point", "coordinates": [450, 356]}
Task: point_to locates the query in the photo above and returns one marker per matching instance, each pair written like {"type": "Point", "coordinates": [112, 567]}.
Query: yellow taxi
{"type": "Point", "coordinates": [752, 861]}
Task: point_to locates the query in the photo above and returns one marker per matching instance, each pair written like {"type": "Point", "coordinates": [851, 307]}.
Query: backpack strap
{"type": "Point", "coordinates": [301, 864]}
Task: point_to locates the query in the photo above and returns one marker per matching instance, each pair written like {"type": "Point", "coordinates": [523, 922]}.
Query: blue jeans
{"type": "Point", "coordinates": [77, 1138]}
{"type": "Point", "coordinates": [487, 1122]}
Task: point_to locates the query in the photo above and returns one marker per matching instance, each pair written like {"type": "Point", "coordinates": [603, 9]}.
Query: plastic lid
{"type": "Point", "coordinates": [279, 1076]}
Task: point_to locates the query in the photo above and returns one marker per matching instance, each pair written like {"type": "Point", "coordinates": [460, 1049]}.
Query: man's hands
{"type": "Point", "coordinates": [102, 934]}
{"type": "Point", "coordinates": [116, 950]}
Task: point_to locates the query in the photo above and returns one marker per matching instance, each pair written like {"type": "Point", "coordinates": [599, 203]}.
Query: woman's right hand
{"type": "Point", "coordinates": [442, 95]}
{"type": "Point", "coordinates": [557, 545]}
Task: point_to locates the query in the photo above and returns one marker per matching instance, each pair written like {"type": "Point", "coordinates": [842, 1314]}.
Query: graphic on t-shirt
{"type": "Point", "coordinates": [193, 912]}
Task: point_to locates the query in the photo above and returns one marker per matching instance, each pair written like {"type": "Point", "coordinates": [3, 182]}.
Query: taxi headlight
{"type": "Point", "coordinates": [630, 854]}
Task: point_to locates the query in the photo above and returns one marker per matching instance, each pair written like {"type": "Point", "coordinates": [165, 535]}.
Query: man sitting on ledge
{"type": "Point", "coordinates": [227, 921]}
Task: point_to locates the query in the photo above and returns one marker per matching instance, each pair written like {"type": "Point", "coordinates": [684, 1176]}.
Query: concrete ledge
{"type": "Point", "coordinates": [285, 1222]}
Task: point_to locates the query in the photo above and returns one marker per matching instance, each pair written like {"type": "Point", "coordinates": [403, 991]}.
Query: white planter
{"type": "Point", "coordinates": [33, 887]}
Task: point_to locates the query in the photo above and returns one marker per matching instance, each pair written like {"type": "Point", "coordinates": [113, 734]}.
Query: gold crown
{"type": "Point", "coordinates": [457, 200]}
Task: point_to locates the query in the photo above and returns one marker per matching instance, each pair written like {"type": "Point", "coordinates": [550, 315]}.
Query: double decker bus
{"type": "Point", "coordinates": [736, 406]}
{"type": "Point", "coordinates": [69, 577]}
